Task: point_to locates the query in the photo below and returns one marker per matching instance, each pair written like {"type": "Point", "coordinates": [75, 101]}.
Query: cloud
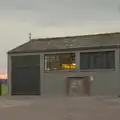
{"type": "Point", "coordinates": [49, 18]}
{"type": "Point", "coordinates": [60, 12]}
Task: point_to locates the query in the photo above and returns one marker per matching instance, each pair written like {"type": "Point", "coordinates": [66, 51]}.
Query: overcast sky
{"type": "Point", "coordinates": [49, 18]}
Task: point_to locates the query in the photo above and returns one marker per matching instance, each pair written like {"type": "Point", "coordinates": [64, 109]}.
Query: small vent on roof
{"type": "Point", "coordinates": [73, 40]}
{"type": "Point", "coordinates": [70, 46]}
{"type": "Point", "coordinates": [65, 41]}
{"type": "Point", "coordinates": [79, 45]}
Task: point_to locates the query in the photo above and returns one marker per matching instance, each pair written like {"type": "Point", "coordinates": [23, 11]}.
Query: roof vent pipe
{"type": "Point", "coordinates": [30, 36]}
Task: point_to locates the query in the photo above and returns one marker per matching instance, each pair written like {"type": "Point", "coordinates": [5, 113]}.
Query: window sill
{"type": "Point", "coordinates": [54, 71]}
{"type": "Point", "coordinates": [97, 70]}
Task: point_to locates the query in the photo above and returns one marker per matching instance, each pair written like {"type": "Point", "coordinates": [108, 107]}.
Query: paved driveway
{"type": "Point", "coordinates": [60, 108]}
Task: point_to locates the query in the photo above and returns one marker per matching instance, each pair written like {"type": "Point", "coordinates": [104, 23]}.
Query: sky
{"type": "Point", "coordinates": [52, 18]}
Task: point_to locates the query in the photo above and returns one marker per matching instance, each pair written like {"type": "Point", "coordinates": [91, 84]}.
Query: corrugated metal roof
{"type": "Point", "coordinates": [73, 42]}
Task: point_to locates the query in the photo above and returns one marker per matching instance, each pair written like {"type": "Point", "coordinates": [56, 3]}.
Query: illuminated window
{"type": "Point", "coordinates": [64, 61]}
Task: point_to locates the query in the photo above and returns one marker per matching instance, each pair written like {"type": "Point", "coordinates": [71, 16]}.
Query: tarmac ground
{"type": "Point", "coordinates": [60, 108]}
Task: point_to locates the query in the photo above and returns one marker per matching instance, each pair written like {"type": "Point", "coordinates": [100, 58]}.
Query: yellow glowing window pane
{"type": "Point", "coordinates": [63, 65]}
{"type": "Point", "coordinates": [69, 66]}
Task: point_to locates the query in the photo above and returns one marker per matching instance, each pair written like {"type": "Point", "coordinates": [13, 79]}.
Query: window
{"type": "Point", "coordinates": [97, 60]}
{"type": "Point", "coordinates": [65, 61]}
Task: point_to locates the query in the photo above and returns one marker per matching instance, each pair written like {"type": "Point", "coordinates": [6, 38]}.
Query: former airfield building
{"type": "Point", "coordinates": [76, 65]}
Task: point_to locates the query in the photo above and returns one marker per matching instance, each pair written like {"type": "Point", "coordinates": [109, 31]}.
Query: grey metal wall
{"type": "Point", "coordinates": [106, 82]}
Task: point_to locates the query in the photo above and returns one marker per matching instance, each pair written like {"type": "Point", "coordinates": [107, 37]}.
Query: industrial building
{"type": "Point", "coordinates": [86, 65]}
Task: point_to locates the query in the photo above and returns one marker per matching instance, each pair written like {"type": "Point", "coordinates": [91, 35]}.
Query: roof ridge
{"type": "Point", "coordinates": [68, 37]}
